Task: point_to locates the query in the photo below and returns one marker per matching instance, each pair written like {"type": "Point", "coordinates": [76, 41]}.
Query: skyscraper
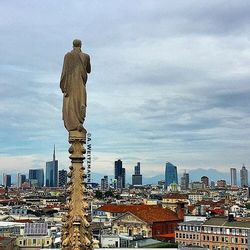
{"type": "Point", "coordinates": [138, 168]}
{"type": "Point", "coordinates": [52, 172]}
{"type": "Point", "coordinates": [137, 177]}
{"type": "Point", "coordinates": [244, 177]}
{"type": "Point", "coordinates": [36, 176]}
{"type": "Point", "coordinates": [62, 178]}
{"type": "Point", "coordinates": [104, 183]}
{"type": "Point", "coordinates": [185, 181]}
{"type": "Point", "coordinates": [6, 180]}
{"type": "Point", "coordinates": [21, 178]}
{"type": "Point", "coordinates": [170, 174]}
{"type": "Point", "coordinates": [233, 176]}
{"type": "Point", "coordinates": [120, 174]}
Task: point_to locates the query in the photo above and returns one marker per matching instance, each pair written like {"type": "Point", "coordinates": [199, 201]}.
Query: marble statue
{"type": "Point", "coordinates": [73, 81]}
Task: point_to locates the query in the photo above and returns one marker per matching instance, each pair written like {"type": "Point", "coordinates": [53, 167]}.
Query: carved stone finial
{"type": "Point", "coordinates": [76, 232]}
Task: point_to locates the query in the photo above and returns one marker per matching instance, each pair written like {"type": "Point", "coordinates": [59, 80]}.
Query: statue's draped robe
{"type": "Point", "coordinates": [74, 76]}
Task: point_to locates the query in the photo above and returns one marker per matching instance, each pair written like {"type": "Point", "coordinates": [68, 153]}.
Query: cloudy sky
{"type": "Point", "coordinates": [169, 82]}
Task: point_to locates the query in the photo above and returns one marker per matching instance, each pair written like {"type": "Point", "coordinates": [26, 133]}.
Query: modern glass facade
{"type": "Point", "coordinates": [37, 174]}
{"type": "Point", "coordinates": [52, 173]}
{"type": "Point", "coordinates": [170, 174]}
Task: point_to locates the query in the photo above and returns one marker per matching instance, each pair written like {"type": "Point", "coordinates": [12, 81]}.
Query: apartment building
{"type": "Point", "coordinates": [215, 233]}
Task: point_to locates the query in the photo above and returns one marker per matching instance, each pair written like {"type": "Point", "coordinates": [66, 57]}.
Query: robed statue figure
{"type": "Point", "coordinates": [74, 77]}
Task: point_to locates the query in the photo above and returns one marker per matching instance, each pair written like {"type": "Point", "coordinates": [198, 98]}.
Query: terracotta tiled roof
{"type": "Point", "coordinates": [175, 196]}
{"type": "Point", "coordinates": [147, 213]}
{"type": "Point", "coordinates": [211, 203]}
{"type": "Point", "coordinates": [24, 221]}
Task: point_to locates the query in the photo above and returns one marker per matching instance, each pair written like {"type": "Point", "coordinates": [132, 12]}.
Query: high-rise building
{"type": "Point", "coordinates": [137, 177]}
{"type": "Point", "coordinates": [120, 174]}
{"type": "Point", "coordinates": [118, 168]}
{"type": "Point", "coordinates": [185, 181]}
{"type": "Point", "coordinates": [138, 168]}
{"type": "Point", "coordinates": [205, 180]}
{"type": "Point", "coordinates": [123, 178]}
{"type": "Point", "coordinates": [6, 180]}
{"type": "Point", "coordinates": [233, 177]}
{"type": "Point", "coordinates": [63, 178]}
{"type": "Point", "coordinates": [21, 178]}
{"type": "Point", "coordinates": [36, 177]}
{"type": "Point", "coordinates": [104, 183]}
{"type": "Point", "coordinates": [52, 172]}
{"type": "Point", "coordinates": [244, 177]}
{"type": "Point", "coordinates": [170, 174]}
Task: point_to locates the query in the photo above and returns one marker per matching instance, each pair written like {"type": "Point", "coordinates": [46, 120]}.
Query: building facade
{"type": "Point", "coordinates": [6, 180]}
{"type": "Point", "coordinates": [185, 181]}
{"type": "Point", "coordinates": [137, 177]}
{"type": "Point", "coordinates": [233, 177]}
{"type": "Point", "coordinates": [244, 177]}
{"type": "Point", "coordinates": [21, 178]}
{"type": "Point", "coordinates": [63, 177]}
{"type": "Point", "coordinates": [37, 176]}
{"type": "Point", "coordinates": [120, 174]}
{"type": "Point", "coordinates": [205, 180]}
{"type": "Point", "coordinates": [170, 174]}
{"type": "Point", "coordinates": [104, 183]}
{"type": "Point", "coordinates": [142, 220]}
{"type": "Point", "coordinates": [215, 233]}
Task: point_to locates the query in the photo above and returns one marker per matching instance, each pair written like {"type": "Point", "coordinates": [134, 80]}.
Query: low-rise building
{"type": "Point", "coordinates": [144, 220]}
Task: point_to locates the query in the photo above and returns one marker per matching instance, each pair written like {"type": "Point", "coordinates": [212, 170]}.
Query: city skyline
{"type": "Point", "coordinates": [195, 175]}
{"type": "Point", "coordinates": [168, 84]}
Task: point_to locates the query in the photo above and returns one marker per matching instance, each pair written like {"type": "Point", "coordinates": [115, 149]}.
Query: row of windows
{"type": "Point", "coordinates": [190, 228]}
{"type": "Point", "coordinates": [187, 236]}
{"type": "Point", "coordinates": [225, 248]}
{"type": "Point", "coordinates": [234, 240]}
{"type": "Point", "coordinates": [224, 239]}
{"type": "Point", "coordinates": [221, 230]}
{"type": "Point", "coordinates": [213, 247]}
{"type": "Point", "coordinates": [33, 242]}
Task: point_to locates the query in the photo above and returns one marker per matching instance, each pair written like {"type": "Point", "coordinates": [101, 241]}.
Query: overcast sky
{"type": "Point", "coordinates": [169, 82]}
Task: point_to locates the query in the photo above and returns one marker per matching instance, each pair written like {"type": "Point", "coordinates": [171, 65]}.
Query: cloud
{"type": "Point", "coordinates": [170, 82]}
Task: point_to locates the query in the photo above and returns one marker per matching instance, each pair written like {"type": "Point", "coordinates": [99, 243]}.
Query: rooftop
{"type": "Point", "coordinates": [147, 213]}
{"type": "Point", "coordinates": [223, 221]}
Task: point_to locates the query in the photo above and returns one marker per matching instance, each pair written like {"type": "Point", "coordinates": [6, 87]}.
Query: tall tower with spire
{"type": "Point", "coordinates": [52, 171]}
{"type": "Point", "coordinates": [54, 153]}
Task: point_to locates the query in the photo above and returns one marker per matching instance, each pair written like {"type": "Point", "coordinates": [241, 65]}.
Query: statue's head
{"type": "Point", "coordinates": [77, 43]}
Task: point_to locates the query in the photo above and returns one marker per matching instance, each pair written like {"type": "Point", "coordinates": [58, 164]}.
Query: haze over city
{"type": "Point", "coordinates": [169, 82]}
